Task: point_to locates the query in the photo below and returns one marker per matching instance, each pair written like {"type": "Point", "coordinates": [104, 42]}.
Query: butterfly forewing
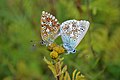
{"type": "Point", "coordinates": [83, 28]}
{"type": "Point", "coordinates": [49, 28]}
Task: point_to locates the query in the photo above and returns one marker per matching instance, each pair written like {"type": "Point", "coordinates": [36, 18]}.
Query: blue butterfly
{"type": "Point", "coordinates": [72, 32]}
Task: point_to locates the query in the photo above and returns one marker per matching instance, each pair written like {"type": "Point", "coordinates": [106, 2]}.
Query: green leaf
{"type": "Point", "coordinates": [61, 59]}
{"type": "Point", "coordinates": [73, 76]}
{"type": "Point", "coordinates": [81, 77]}
{"type": "Point", "coordinates": [61, 64]}
{"type": "Point", "coordinates": [67, 76]}
{"type": "Point", "coordinates": [52, 68]}
{"type": "Point", "coordinates": [78, 73]}
{"type": "Point", "coordinates": [61, 76]}
{"type": "Point", "coordinates": [64, 69]}
{"type": "Point", "coordinates": [47, 61]}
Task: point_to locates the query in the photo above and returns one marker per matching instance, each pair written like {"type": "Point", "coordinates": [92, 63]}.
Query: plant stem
{"type": "Point", "coordinates": [58, 69]}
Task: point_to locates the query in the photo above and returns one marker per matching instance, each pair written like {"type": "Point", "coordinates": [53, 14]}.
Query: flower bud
{"type": "Point", "coordinates": [53, 54]}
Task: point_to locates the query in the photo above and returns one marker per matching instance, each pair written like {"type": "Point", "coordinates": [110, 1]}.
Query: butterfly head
{"type": "Point", "coordinates": [42, 42]}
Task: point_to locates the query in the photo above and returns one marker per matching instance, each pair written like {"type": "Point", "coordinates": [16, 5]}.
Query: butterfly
{"type": "Point", "coordinates": [71, 31]}
{"type": "Point", "coordinates": [49, 28]}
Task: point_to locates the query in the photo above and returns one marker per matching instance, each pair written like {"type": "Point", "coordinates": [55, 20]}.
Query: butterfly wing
{"type": "Point", "coordinates": [83, 28]}
{"type": "Point", "coordinates": [65, 31]}
{"type": "Point", "coordinates": [49, 28]}
{"type": "Point", "coordinates": [72, 32]}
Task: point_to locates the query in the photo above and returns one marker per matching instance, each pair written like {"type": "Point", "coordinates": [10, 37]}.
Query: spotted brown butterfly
{"type": "Point", "coordinates": [49, 28]}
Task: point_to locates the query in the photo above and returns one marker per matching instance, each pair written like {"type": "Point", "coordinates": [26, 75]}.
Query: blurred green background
{"type": "Point", "coordinates": [98, 54]}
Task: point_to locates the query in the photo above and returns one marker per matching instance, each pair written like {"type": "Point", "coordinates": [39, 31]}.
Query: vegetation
{"type": "Point", "coordinates": [97, 56]}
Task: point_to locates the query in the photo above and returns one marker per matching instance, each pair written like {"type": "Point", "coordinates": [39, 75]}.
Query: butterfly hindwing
{"type": "Point", "coordinates": [72, 32]}
{"type": "Point", "coordinates": [49, 28]}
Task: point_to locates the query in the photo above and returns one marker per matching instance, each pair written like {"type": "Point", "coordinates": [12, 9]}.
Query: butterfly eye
{"type": "Point", "coordinates": [42, 42]}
